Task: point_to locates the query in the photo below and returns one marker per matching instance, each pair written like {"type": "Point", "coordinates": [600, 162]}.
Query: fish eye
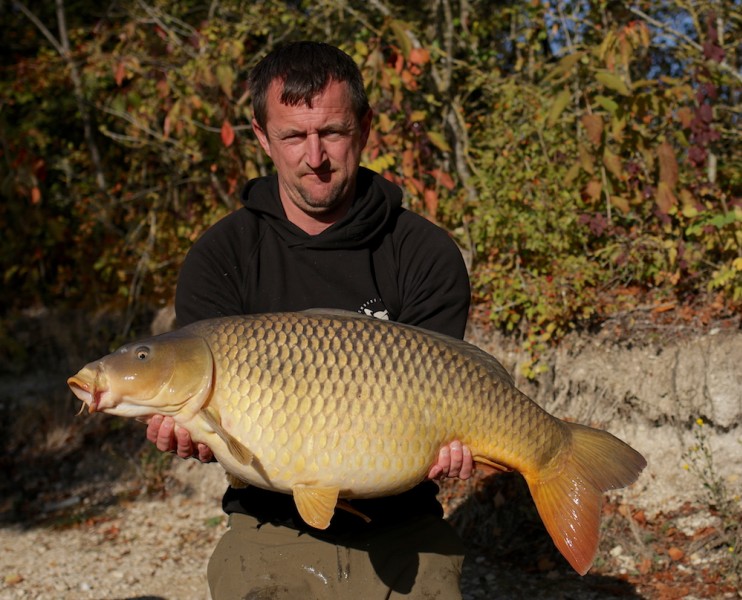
{"type": "Point", "coordinates": [142, 352]}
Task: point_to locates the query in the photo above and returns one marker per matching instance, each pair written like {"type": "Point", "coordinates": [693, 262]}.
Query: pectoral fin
{"type": "Point", "coordinates": [316, 505]}
{"type": "Point", "coordinates": [346, 506]}
{"type": "Point", "coordinates": [236, 447]}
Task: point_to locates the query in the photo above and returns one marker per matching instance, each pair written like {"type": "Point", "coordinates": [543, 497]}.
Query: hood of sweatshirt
{"type": "Point", "coordinates": [377, 201]}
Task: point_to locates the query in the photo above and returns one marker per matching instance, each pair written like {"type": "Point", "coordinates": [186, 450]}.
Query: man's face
{"type": "Point", "coordinates": [316, 150]}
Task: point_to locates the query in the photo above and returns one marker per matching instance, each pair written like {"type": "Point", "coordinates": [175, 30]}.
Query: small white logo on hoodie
{"type": "Point", "coordinates": [375, 308]}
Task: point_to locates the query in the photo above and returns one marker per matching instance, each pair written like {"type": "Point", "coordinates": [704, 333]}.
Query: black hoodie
{"type": "Point", "coordinates": [379, 260]}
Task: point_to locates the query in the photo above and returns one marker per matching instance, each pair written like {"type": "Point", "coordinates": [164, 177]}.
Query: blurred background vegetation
{"type": "Point", "coordinates": [585, 155]}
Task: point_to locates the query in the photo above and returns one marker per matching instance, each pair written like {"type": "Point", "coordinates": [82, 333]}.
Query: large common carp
{"type": "Point", "coordinates": [328, 405]}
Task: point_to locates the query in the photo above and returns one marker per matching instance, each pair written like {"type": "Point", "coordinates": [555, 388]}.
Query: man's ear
{"type": "Point", "coordinates": [262, 136]}
{"type": "Point", "coordinates": [366, 126]}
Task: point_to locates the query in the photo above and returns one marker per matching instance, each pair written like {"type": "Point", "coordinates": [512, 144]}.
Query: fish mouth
{"type": "Point", "coordinates": [86, 390]}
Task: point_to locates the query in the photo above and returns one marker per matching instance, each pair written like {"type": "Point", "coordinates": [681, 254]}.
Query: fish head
{"type": "Point", "coordinates": [165, 375]}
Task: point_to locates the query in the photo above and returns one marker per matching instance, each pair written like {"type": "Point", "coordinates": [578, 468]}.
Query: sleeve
{"type": "Point", "coordinates": [433, 280]}
{"type": "Point", "coordinates": [210, 279]}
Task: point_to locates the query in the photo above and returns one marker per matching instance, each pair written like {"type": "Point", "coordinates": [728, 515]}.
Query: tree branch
{"type": "Point", "coordinates": [723, 65]}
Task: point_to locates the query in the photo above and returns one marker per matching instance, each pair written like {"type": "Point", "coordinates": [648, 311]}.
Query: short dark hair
{"type": "Point", "coordinates": [306, 69]}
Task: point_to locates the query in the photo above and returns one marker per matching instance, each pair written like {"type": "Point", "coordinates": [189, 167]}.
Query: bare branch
{"type": "Point", "coordinates": [41, 27]}
{"type": "Point", "coordinates": [723, 65]}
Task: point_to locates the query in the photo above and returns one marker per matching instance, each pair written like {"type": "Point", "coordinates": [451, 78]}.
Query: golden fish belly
{"type": "Point", "coordinates": [356, 404]}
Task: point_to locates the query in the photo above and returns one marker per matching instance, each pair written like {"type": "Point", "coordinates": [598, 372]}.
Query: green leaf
{"type": "Point", "coordinates": [399, 29]}
{"type": "Point", "coordinates": [610, 105]}
{"type": "Point", "coordinates": [565, 65]}
{"type": "Point", "coordinates": [557, 108]}
{"type": "Point", "coordinates": [613, 82]}
{"type": "Point", "coordinates": [225, 77]}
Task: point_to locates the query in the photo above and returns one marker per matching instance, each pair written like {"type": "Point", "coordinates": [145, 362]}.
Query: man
{"type": "Point", "coordinates": [325, 233]}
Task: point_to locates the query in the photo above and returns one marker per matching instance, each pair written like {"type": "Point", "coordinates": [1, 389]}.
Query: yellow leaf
{"type": "Point", "coordinates": [385, 123]}
{"type": "Point", "coordinates": [613, 82]}
{"type": "Point", "coordinates": [225, 77]}
{"type": "Point", "coordinates": [565, 64]}
{"type": "Point", "coordinates": [690, 209]}
{"type": "Point", "coordinates": [572, 174]}
{"type": "Point", "coordinates": [613, 164]}
{"type": "Point", "coordinates": [620, 203]}
{"type": "Point", "coordinates": [560, 103]}
{"type": "Point", "coordinates": [617, 128]}
{"type": "Point", "coordinates": [439, 141]}
{"type": "Point", "coordinates": [586, 160]}
{"type": "Point", "coordinates": [381, 163]}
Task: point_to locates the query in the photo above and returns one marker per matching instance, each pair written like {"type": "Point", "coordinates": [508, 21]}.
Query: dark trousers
{"type": "Point", "coordinates": [419, 558]}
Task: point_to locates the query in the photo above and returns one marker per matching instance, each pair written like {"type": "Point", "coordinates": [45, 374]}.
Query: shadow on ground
{"type": "Point", "coordinates": [510, 554]}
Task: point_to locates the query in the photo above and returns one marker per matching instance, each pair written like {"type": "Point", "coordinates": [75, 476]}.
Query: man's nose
{"type": "Point", "coordinates": [315, 152]}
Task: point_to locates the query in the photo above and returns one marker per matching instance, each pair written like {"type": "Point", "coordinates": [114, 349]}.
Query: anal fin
{"type": "Point", "coordinates": [316, 505]}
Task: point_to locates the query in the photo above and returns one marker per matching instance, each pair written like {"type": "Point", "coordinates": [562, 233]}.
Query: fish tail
{"type": "Point", "coordinates": [569, 492]}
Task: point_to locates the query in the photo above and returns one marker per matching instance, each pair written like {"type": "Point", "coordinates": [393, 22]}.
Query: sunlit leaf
{"type": "Point", "coordinates": [439, 141]}
{"type": "Point", "coordinates": [560, 103]}
{"type": "Point", "coordinates": [593, 189]}
{"type": "Point", "coordinates": [565, 64]}
{"type": "Point", "coordinates": [586, 159]}
{"type": "Point", "coordinates": [607, 103]}
{"type": "Point", "coordinates": [225, 76]}
{"type": "Point", "coordinates": [620, 203]}
{"type": "Point", "coordinates": [613, 163]}
{"type": "Point", "coordinates": [419, 56]}
{"type": "Point", "coordinates": [227, 133]}
{"type": "Point", "coordinates": [668, 165]}
{"type": "Point", "coordinates": [664, 198]}
{"type": "Point", "coordinates": [613, 82]}
{"type": "Point", "coordinates": [400, 35]}
{"type": "Point", "coordinates": [593, 125]}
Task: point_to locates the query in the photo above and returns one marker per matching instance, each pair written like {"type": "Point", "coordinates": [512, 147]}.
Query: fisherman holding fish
{"type": "Point", "coordinates": [324, 232]}
{"type": "Point", "coordinates": [325, 420]}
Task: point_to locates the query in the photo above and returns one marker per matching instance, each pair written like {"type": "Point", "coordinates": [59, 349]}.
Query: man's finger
{"type": "Point", "coordinates": [457, 458]}
{"type": "Point", "coordinates": [166, 435]}
{"type": "Point", "coordinates": [467, 465]}
{"type": "Point", "coordinates": [204, 453]}
{"type": "Point", "coordinates": [153, 426]}
{"type": "Point", "coordinates": [184, 445]}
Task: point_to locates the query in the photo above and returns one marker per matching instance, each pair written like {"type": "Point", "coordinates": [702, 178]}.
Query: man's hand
{"type": "Point", "coordinates": [168, 437]}
{"type": "Point", "coordinates": [454, 460]}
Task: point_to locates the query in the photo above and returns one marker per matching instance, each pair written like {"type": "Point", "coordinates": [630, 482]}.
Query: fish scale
{"type": "Point", "coordinates": [326, 405]}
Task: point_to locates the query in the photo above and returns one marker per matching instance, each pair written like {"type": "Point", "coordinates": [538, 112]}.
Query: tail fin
{"type": "Point", "coordinates": [568, 494]}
